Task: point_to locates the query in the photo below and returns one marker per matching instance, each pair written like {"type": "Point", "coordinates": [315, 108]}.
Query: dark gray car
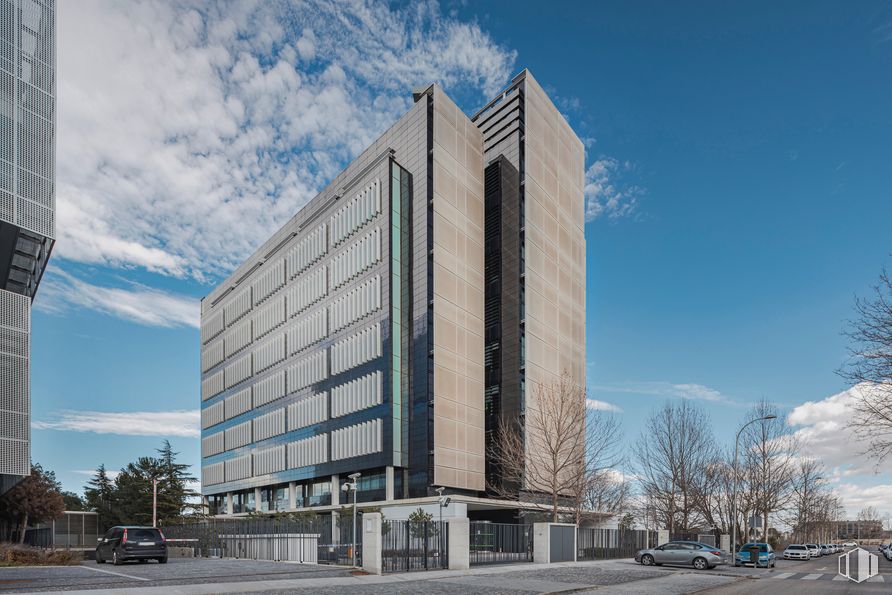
{"type": "Point", "coordinates": [683, 553]}
{"type": "Point", "coordinates": [120, 544]}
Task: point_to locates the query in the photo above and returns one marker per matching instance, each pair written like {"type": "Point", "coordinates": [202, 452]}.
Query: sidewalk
{"type": "Point", "coordinates": [603, 575]}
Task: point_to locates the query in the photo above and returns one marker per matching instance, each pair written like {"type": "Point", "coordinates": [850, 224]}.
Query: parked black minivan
{"type": "Point", "coordinates": [131, 543]}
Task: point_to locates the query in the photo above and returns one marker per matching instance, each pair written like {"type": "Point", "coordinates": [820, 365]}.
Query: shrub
{"type": "Point", "coordinates": [22, 555]}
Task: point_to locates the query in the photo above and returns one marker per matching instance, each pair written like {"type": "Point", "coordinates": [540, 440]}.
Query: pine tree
{"type": "Point", "coordinates": [174, 493]}
{"type": "Point", "coordinates": [99, 495]}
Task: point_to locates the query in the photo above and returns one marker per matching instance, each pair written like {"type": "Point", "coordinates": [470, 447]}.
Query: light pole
{"type": "Point", "coordinates": [443, 501]}
{"type": "Point", "coordinates": [154, 502]}
{"type": "Point", "coordinates": [734, 491]}
{"type": "Point", "coordinates": [351, 485]}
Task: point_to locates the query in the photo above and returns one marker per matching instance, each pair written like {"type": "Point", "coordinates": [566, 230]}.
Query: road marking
{"type": "Point", "coordinates": [783, 575]}
{"type": "Point", "coordinates": [136, 578]}
{"type": "Point", "coordinates": [812, 577]}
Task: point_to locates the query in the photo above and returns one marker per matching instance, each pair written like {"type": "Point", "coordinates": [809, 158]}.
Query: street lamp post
{"type": "Point", "coordinates": [351, 485]}
{"type": "Point", "coordinates": [734, 492]}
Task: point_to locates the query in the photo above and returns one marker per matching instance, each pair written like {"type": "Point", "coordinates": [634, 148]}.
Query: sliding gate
{"type": "Point", "coordinates": [500, 543]}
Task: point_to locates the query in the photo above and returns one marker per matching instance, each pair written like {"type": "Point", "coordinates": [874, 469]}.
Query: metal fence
{"type": "Point", "coordinates": [710, 538]}
{"type": "Point", "coordinates": [606, 544]}
{"type": "Point", "coordinates": [500, 543]}
{"type": "Point", "coordinates": [287, 539]}
{"type": "Point", "coordinates": [408, 545]}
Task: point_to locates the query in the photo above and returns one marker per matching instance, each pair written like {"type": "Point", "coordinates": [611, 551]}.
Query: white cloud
{"type": "Point", "coordinates": [188, 132]}
{"type": "Point", "coordinates": [605, 193]}
{"type": "Point", "coordinates": [60, 291]}
{"type": "Point", "coordinates": [134, 423]}
{"type": "Point", "coordinates": [821, 425]}
{"type": "Point", "coordinates": [858, 496]}
{"type": "Point", "coordinates": [597, 405]}
{"type": "Point", "coordinates": [91, 472]}
{"type": "Point", "coordinates": [696, 392]}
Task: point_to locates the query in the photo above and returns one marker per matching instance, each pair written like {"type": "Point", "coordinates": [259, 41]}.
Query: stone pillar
{"type": "Point", "coordinates": [726, 542]}
{"type": "Point", "coordinates": [335, 528]}
{"type": "Point", "coordinates": [541, 543]}
{"type": "Point", "coordinates": [459, 543]}
{"type": "Point", "coordinates": [228, 502]}
{"type": "Point", "coordinates": [335, 491]}
{"type": "Point", "coordinates": [662, 536]}
{"type": "Point", "coordinates": [388, 483]}
{"type": "Point", "coordinates": [292, 495]}
{"type": "Point", "coordinates": [257, 503]}
{"type": "Point", "coordinates": [371, 543]}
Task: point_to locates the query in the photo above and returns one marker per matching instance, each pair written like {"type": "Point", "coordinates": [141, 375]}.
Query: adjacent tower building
{"type": "Point", "coordinates": [354, 338]}
{"type": "Point", "coordinates": [535, 251]}
{"type": "Point", "coordinates": [27, 208]}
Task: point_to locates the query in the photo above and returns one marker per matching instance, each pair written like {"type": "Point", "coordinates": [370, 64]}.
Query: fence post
{"type": "Point", "coordinates": [541, 543]}
{"type": "Point", "coordinates": [372, 545]}
{"type": "Point", "coordinates": [662, 536]}
{"type": "Point", "coordinates": [459, 540]}
{"type": "Point", "coordinates": [726, 542]}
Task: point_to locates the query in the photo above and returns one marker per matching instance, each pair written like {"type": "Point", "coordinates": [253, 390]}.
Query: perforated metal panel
{"type": "Point", "coordinates": [307, 330]}
{"type": "Point", "coordinates": [307, 291]}
{"type": "Point", "coordinates": [238, 306]}
{"type": "Point", "coordinates": [238, 435]}
{"type": "Point", "coordinates": [269, 354]}
{"type": "Point", "coordinates": [269, 425]}
{"type": "Point", "coordinates": [306, 252]}
{"type": "Point", "coordinates": [269, 317]}
{"type": "Point", "coordinates": [358, 394]}
{"type": "Point", "coordinates": [355, 259]}
{"type": "Point", "coordinates": [269, 282]}
{"type": "Point", "coordinates": [355, 304]}
{"type": "Point", "coordinates": [212, 415]}
{"type": "Point", "coordinates": [308, 411]}
{"type": "Point", "coordinates": [240, 402]}
{"type": "Point", "coordinates": [211, 356]}
{"type": "Point", "coordinates": [212, 444]}
{"type": "Point", "coordinates": [238, 371]}
{"type": "Point", "coordinates": [359, 211]}
{"type": "Point", "coordinates": [211, 474]}
{"type": "Point", "coordinates": [307, 371]}
{"type": "Point", "coordinates": [310, 451]}
{"type": "Point", "coordinates": [269, 389]}
{"type": "Point", "coordinates": [15, 403]}
{"type": "Point", "coordinates": [355, 441]}
{"type": "Point", "coordinates": [212, 385]}
{"type": "Point", "coordinates": [269, 460]}
{"type": "Point", "coordinates": [238, 468]}
{"type": "Point", "coordinates": [357, 349]}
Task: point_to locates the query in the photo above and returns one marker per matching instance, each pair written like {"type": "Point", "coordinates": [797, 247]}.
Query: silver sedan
{"type": "Point", "coordinates": [683, 553]}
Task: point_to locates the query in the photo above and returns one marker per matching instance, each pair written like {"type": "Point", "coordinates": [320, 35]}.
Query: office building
{"type": "Point", "coordinates": [27, 208]}
{"type": "Point", "coordinates": [353, 339]}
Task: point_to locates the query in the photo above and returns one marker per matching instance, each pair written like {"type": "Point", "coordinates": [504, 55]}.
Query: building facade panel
{"type": "Point", "coordinates": [27, 208]}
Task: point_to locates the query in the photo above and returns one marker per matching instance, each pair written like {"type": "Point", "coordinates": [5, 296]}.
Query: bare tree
{"type": "Point", "coordinates": [770, 450]}
{"type": "Point", "coordinates": [672, 456]}
{"type": "Point", "coordinates": [870, 368]}
{"type": "Point", "coordinates": [814, 507]}
{"type": "Point", "coordinates": [544, 454]}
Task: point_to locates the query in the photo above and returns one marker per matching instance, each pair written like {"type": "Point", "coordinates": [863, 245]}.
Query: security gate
{"type": "Point", "coordinates": [500, 543]}
{"type": "Point", "coordinates": [562, 543]}
{"type": "Point", "coordinates": [409, 545]}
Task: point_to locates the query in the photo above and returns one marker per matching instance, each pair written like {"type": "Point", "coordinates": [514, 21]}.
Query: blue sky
{"type": "Point", "coordinates": [738, 188]}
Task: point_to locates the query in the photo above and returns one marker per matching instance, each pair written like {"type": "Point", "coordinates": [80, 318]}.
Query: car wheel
{"type": "Point", "coordinates": [99, 559]}
{"type": "Point", "coordinates": [701, 563]}
{"type": "Point", "coordinates": [647, 560]}
{"type": "Point", "coordinates": [115, 559]}
{"type": "Point", "coordinates": [162, 560]}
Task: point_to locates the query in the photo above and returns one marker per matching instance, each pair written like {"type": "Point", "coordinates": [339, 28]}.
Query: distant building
{"type": "Point", "coordinates": [27, 208]}
{"type": "Point", "coordinates": [401, 313]}
{"type": "Point", "coordinates": [858, 529]}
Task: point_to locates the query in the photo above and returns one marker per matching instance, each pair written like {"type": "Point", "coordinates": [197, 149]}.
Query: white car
{"type": "Point", "coordinates": [814, 550]}
{"type": "Point", "coordinates": [796, 551]}
{"type": "Point", "coordinates": [851, 544]}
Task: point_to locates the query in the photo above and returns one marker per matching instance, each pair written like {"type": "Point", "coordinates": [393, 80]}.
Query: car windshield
{"type": "Point", "coordinates": [746, 547]}
{"type": "Point", "coordinates": [143, 535]}
{"type": "Point", "coordinates": [796, 547]}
